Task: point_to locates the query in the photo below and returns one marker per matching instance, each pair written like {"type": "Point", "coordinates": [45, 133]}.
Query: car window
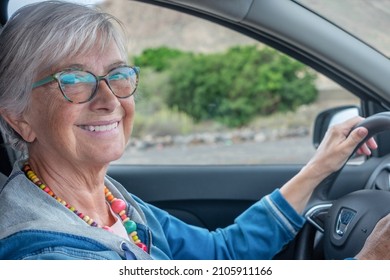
{"type": "Point", "coordinates": [210, 95]}
{"type": "Point", "coordinates": [190, 66]}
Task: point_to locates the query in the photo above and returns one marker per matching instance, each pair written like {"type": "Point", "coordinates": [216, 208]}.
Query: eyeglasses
{"type": "Point", "coordinates": [81, 86]}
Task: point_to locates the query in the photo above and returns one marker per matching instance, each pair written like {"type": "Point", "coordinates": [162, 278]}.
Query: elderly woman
{"type": "Point", "coordinates": [66, 103]}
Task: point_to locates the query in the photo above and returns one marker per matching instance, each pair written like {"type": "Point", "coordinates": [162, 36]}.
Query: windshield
{"type": "Point", "coordinates": [367, 20]}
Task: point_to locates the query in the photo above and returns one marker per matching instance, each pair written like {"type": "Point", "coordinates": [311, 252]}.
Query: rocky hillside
{"type": "Point", "coordinates": [151, 26]}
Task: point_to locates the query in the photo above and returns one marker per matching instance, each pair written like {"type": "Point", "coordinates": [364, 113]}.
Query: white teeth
{"type": "Point", "coordinates": [101, 127]}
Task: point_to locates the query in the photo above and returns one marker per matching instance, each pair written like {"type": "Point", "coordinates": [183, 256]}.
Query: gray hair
{"type": "Point", "coordinates": [38, 37]}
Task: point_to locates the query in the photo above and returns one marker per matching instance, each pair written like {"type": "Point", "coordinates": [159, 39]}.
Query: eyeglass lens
{"type": "Point", "coordinates": [80, 86]}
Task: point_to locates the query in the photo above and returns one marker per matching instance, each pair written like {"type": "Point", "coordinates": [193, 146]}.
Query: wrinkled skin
{"type": "Point", "coordinates": [377, 245]}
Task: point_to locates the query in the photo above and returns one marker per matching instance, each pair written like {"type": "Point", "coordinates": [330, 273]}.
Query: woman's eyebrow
{"type": "Point", "coordinates": [115, 64]}
{"type": "Point", "coordinates": [73, 66]}
{"type": "Point", "coordinates": [78, 66]}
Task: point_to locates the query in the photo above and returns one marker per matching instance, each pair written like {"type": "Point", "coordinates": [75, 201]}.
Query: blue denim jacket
{"type": "Point", "coordinates": [35, 226]}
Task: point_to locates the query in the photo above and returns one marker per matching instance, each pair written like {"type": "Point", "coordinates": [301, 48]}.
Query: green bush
{"type": "Point", "coordinates": [234, 87]}
{"type": "Point", "coordinates": [158, 59]}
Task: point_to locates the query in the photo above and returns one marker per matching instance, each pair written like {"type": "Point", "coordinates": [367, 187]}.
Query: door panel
{"type": "Point", "coordinates": [212, 196]}
{"type": "Point", "coordinates": [199, 194]}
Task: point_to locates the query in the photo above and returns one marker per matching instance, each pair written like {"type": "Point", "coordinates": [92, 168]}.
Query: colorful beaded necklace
{"type": "Point", "coordinates": [118, 206]}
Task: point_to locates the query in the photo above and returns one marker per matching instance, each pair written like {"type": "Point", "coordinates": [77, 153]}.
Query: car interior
{"type": "Point", "coordinates": [212, 196]}
{"type": "Point", "coordinates": [4, 163]}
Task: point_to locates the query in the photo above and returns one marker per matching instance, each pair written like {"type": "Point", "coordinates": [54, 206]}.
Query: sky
{"type": "Point", "coordinates": [16, 4]}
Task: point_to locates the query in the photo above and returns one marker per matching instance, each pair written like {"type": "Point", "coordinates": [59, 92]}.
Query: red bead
{"type": "Point", "coordinates": [142, 246]}
{"type": "Point", "coordinates": [118, 205]}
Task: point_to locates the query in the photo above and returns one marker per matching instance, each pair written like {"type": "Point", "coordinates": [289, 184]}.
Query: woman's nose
{"type": "Point", "coordinates": [105, 98]}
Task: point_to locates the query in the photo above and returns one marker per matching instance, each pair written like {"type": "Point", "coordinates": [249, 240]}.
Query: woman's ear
{"type": "Point", "coordinates": [20, 125]}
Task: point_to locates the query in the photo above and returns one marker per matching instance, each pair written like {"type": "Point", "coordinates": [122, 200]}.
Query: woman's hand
{"type": "Point", "coordinates": [337, 146]}
{"type": "Point", "coordinates": [377, 245]}
{"type": "Point", "coordinates": [335, 149]}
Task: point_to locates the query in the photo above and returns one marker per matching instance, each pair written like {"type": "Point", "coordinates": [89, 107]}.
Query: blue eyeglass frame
{"type": "Point", "coordinates": [55, 77]}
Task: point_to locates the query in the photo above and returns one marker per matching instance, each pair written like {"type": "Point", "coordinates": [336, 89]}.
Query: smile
{"type": "Point", "coordinates": [99, 128]}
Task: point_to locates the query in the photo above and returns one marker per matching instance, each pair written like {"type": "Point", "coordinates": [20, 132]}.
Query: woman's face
{"type": "Point", "coordinates": [95, 132]}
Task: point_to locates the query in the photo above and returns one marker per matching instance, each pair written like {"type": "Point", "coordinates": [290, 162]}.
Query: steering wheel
{"type": "Point", "coordinates": [348, 221]}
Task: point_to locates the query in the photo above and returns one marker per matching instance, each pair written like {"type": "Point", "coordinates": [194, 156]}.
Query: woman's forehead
{"type": "Point", "coordinates": [106, 57]}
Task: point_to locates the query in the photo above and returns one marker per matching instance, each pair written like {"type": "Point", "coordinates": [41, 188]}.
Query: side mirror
{"type": "Point", "coordinates": [330, 117]}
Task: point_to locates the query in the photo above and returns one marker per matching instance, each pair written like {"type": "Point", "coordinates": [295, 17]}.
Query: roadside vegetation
{"type": "Point", "coordinates": [183, 93]}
